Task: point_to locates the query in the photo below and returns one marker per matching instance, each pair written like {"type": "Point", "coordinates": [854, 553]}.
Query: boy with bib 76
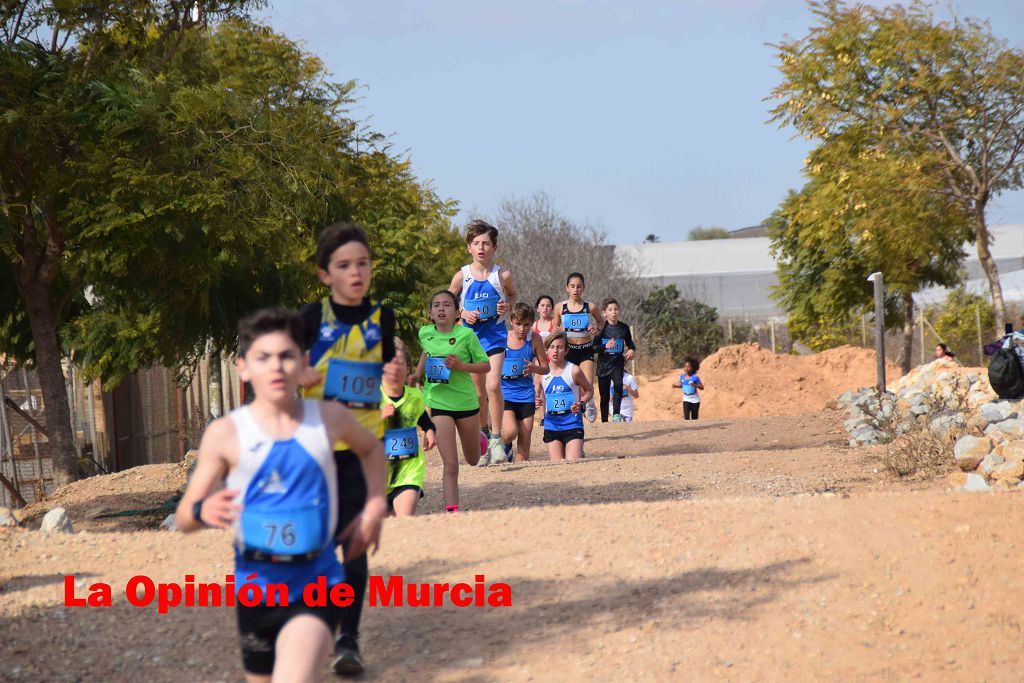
{"type": "Point", "coordinates": [276, 459]}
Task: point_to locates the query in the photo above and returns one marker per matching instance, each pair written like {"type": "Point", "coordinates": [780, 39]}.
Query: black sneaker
{"type": "Point", "coordinates": [347, 661]}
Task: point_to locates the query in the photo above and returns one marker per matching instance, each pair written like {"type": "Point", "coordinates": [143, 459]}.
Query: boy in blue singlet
{"type": "Point", "coordinates": [350, 340]}
{"type": "Point", "coordinates": [524, 357]}
{"type": "Point", "coordinates": [486, 294]}
{"type": "Point", "coordinates": [276, 459]}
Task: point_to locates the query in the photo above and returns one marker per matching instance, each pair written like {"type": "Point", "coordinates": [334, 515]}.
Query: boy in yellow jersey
{"type": "Point", "coordinates": [350, 341]}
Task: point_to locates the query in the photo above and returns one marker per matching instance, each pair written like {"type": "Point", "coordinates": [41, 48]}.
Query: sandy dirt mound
{"type": "Point", "coordinates": [746, 380]}
{"type": "Point", "coordinates": [139, 488]}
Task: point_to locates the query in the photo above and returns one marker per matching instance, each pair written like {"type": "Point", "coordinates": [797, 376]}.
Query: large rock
{"type": "Point", "coordinates": [944, 423]}
{"type": "Point", "coordinates": [1010, 471]}
{"type": "Point", "coordinates": [997, 411]}
{"type": "Point", "coordinates": [57, 520]}
{"type": "Point", "coordinates": [975, 483]}
{"type": "Point", "coordinates": [7, 518]}
{"type": "Point", "coordinates": [990, 462]}
{"type": "Point", "coordinates": [1013, 428]}
{"type": "Point", "coordinates": [969, 451]}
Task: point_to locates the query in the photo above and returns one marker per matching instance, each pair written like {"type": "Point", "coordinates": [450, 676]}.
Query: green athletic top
{"type": "Point", "coordinates": [459, 392]}
{"type": "Point", "coordinates": [408, 409]}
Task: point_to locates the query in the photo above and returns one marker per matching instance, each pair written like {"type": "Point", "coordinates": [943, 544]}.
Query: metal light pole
{"type": "Point", "coordinates": [879, 328]}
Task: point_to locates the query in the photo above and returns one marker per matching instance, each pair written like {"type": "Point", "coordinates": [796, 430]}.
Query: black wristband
{"type": "Point", "coordinates": [197, 510]}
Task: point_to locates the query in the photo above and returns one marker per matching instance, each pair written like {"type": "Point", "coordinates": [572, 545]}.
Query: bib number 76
{"type": "Point", "coordinates": [285, 533]}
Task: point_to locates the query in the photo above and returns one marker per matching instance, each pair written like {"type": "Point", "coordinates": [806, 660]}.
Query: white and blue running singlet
{"type": "Point", "coordinates": [560, 392]}
{"type": "Point", "coordinates": [289, 497]}
{"type": "Point", "coordinates": [483, 296]}
{"type": "Point", "coordinates": [516, 382]}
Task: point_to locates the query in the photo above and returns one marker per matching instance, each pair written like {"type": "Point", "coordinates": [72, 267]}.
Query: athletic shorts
{"type": "Point", "coordinates": [453, 414]}
{"type": "Point", "coordinates": [399, 490]}
{"type": "Point", "coordinates": [565, 436]}
{"type": "Point", "coordinates": [259, 626]}
{"type": "Point", "coordinates": [406, 473]}
{"type": "Point", "coordinates": [521, 411]}
{"type": "Point", "coordinates": [578, 353]}
{"type": "Point", "coordinates": [351, 487]}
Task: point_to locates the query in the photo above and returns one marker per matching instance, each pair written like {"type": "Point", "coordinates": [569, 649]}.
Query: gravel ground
{"type": "Point", "coordinates": [747, 549]}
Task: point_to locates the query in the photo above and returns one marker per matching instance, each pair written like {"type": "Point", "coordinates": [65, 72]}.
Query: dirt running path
{"type": "Point", "coordinates": [742, 550]}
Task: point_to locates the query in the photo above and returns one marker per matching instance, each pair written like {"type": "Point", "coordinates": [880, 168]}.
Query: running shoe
{"type": "Point", "coordinates": [496, 450]}
{"type": "Point", "coordinates": [485, 450]}
{"type": "Point", "coordinates": [616, 418]}
{"type": "Point", "coordinates": [508, 452]}
{"type": "Point", "coordinates": [591, 412]}
{"type": "Point", "coordinates": [347, 661]}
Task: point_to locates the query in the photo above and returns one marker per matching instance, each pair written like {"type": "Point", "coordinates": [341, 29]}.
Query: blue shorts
{"type": "Point", "coordinates": [493, 335]}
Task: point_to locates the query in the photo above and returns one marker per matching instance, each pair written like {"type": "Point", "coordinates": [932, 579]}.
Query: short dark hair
{"type": "Point", "coordinates": [572, 275]}
{"type": "Point", "coordinates": [477, 227]}
{"type": "Point", "coordinates": [266, 321]}
{"type": "Point", "coordinates": [455, 299]}
{"type": "Point", "coordinates": [608, 302]}
{"type": "Point", "coordinates": [694, 363]}
{"type": "Point", "coordinates": [523, 312]}
{"type": "Point", "coordinates": [338, 235]}
{"type": "Point", "coordinates": [542, 297]}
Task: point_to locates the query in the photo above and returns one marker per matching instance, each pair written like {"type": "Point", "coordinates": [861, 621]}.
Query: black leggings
{"type": "Point", "coordinates": [352, 496]}
{"type": "Point", "coordinates": [604, 384]}
{"type": "Point", "coordinates": [690, 410]}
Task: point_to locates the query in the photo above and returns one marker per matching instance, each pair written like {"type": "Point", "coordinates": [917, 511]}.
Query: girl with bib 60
{"type": "Point", "coordinates": [566, 392]}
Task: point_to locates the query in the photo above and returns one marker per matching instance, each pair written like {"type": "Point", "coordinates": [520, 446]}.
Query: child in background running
{"type": "Point", "coordinates": [566, 392]}
{"type": "Point", "coordinates": [690, 383]}
{"type": "Point", "coordinates": [522, 361]}
{"type": "Point", "coordinates": [450, 353]}
{"type": "Point", "coordinates": [403, 409]}
{"type": "Point", "coordinates": [349, 338]}
{"type": "Point", "coordinates": [545, 323]}
{"type": "Point", "coordinates": [544, 326]}
{"type": "Point", "coordinates": [580, 321]}
{"type": "Point", "coordinates": [632, 390]}
{"type": "Point", "coordinates": [486, 295]}
{"type": "Point", "coordinates": [615, 346]}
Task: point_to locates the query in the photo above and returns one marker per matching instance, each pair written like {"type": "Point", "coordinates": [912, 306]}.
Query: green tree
{"type": "Point", "coordinates": [870, 204]}
{"type": "Point", "coordinates": [714, 233]}
{"type": "Point", "coordinates": [684, 326]}
{"type": "Point", "coordinates": [163, 176]}
{"type": "Point", "coordinates": [956, 321]}
{"type": "Point", "coordinates": [951, 88]}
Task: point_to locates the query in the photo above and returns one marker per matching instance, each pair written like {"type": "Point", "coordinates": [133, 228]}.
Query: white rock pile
{"type": "Point", "coordinates": [942, 395]}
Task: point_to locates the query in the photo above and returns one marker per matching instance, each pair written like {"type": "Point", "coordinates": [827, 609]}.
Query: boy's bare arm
{"type": "Point", "coordinates": [511, 293]}
{"type": "Point", "coordinates": [455, 287]}
{"type": "Point", "coordinates": [218, 509]}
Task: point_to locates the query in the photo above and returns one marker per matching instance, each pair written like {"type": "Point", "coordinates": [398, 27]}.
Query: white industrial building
{"type": "Point", "coordinates": [736, 275]}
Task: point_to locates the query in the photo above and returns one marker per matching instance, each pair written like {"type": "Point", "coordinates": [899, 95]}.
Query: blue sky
{"type": "Point", "coordinates": [642, 117]}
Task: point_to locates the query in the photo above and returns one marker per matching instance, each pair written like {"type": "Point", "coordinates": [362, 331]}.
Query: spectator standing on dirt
{"type": "Point", "coordinates": [691, 385]}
